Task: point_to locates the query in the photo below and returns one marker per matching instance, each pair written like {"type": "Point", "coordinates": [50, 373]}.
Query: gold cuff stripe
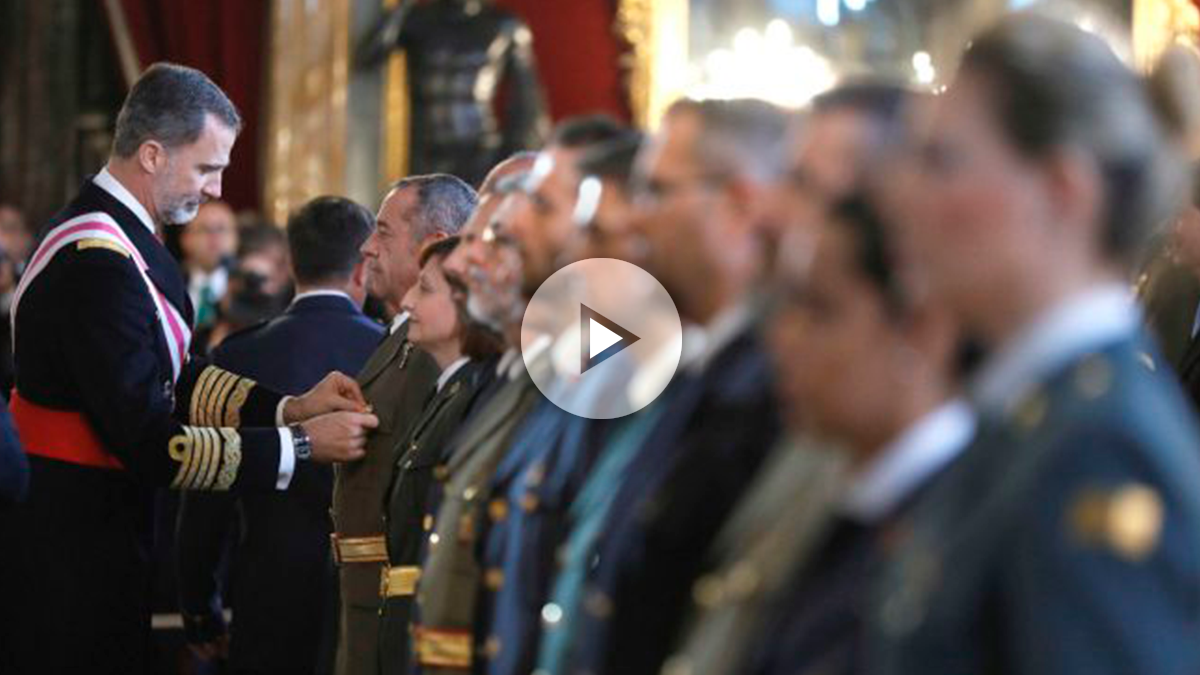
{"type": "Point", "coordinates": [217, 397]}
{"type": "Point", "coordinates": [201, 383]}
{"type": "Point", "coordinates": [200, 397]}
{"type": "Point", "coordinates": [210, 473]}
{"type": "Point", "coordinates": [201, 456]}
{"type": "Point", "coordinates": [232, 459]}
{"type": "Point", "coordinates": [398, 582]}
{"type": "Point", "coordinates": [189, 461]}
{"type": "Point", "coordinates": [233, 410]}
{"type": "Point", "coordinates": [443, 648]}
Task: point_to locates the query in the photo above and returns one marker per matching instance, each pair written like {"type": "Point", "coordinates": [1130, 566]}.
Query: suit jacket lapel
{"type": "Point", "coordinates": [388, 351]}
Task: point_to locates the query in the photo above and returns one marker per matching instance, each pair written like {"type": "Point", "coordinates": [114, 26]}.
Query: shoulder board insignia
{"type": "Point", "coordinates": [1128, 520]}
{"type": "Point", "coordinates": [97, 242]}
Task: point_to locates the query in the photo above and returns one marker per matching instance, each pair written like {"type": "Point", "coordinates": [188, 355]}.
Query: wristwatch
{"type": "Point", "coordinates": [301, 442]}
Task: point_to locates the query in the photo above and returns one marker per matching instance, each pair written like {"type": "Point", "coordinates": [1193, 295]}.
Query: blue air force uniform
{"type": "Point", "coordinates": [673, 499]}
{"type": "Point", "coordinates": [108, 407]}
{"type": "Point", "coordinates": [1064, 540]}
{"type": "Point", "coordinates": [281, 581]}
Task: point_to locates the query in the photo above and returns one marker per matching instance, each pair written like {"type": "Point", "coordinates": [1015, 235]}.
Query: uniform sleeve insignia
{"type": "Point", "coordinates": [97, 242]}
{"type": "Point", "coordinates": [218, 397]}
{"type": "Point", "coordinates": [1127, 520]}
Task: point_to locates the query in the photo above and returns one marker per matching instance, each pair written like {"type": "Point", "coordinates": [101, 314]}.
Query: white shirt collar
{"type": "Point", "coordinates": [908, 462]}
{"type": "Point", "coordinates": [105, 181]}
{"type": "Point", "coordinates": [724, 328]}
{"type": "Point", "coordinates": [397, 322]}
{"type": "Point", "coordinates": [319, 293]}
{"type": "Point", "coordinates": [451, 370]}
{"type": "Point", "coordinates": [1085, 322]}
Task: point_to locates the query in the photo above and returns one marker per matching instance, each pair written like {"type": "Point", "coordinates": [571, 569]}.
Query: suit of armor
{"type": "Point", "coordinates": [463, 56]}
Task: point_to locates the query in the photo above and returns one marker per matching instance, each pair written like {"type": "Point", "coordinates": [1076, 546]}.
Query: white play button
{"type": "Point", "coordinates": [601, 338]}
{"type": "Point", "coordinates": [615, 337]}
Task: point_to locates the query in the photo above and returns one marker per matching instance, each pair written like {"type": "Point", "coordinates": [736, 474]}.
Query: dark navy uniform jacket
{"type": "Point", "coordinates": [675, 496]}
{"type": "Point", "coordinates": [1066, 540]}
{"type": "Point", "coordinates": [89, 341]}
{"type": "Point", "coordinates": [281, 580]}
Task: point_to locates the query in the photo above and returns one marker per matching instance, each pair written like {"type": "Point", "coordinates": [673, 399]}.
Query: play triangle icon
{"type": "Point", "coordinates": [599, 338]}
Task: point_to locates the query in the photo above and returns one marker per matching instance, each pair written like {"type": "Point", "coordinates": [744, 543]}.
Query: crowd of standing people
{"type": "Point", "coordinates": [932, 415]}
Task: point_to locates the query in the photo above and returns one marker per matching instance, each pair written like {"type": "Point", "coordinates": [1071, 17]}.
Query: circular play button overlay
{"type": "Point", "coordinates": [601, 338]}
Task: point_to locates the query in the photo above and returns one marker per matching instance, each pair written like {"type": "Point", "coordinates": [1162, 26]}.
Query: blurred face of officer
{"type": "Point", "coordinates": [433, 316]}
{"type": "Point", "coordinates": [211, 237]}
{"type": "Point", "coordinates": [391, 252]}
{"type": "Point", "coordinates": [189, 175]}
{"type": "Point", "coordinates": [831, 336]}
{"type": "Point", "coordinates": [610, 232]}
{"type": "Point", "coordinates": [975, 215]}
{"type": "Point", "coordinates": [826, 153]}
{"type": "Point", "coordinates": [487, 265]}
{"type": "Point", "coordinates": [542, 224]}
{"type": "Point", "coordinates": [698, 221]}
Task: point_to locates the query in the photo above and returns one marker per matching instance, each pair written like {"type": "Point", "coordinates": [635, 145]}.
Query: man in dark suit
{"type": "Point", "coordinates": [702, 182]}
{"type": "Point", "coordinates": [281, 583]}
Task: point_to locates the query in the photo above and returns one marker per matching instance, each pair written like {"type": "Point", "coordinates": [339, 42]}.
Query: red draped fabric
{"type": "Point", "coordinates": [579, 54]}
{"type": "Point", "coordinates": [227, 39]}
{"type": "Point", "coordinates": [577, 48]}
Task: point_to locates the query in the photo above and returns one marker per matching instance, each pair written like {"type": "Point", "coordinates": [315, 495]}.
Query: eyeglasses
{"type": "Point", "coordinates": [652, 192]}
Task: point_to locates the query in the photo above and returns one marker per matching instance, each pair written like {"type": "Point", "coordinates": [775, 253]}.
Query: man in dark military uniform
{"type": "Point", "coordinates": [703, 181]}
{"type": "Point", "coordinates": [281, 583]}
{"type": "Point", "coordinates": [397, 381]}
{"type": "Point", "coordinates": [108, 403]}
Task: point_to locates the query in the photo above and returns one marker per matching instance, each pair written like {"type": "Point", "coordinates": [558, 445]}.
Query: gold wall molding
{"type": "Point", "coordinates": [1157, 24]}
{"type": "Point", "coordinates": [396, 113]}
{"type": "Point", "coordinates": [308, 78]}
{"type": "Point", "coordinates": [656, 63]}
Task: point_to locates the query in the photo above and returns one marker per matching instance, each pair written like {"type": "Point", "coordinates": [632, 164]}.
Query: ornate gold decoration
{"type": "Point", "coordinates": [232, 456]}
{"type": "Point", "coordinates": [395, 115]}
{"type": "Point", "coordinates": [657, 34]}
{"type": "Point", "coordinates": [1127, 520]}
{"type": "Point", "coordinates": [443, 648]}
{"type": "Point", "coordinates": [309, 66]}
{"type": "Point", "coordinates": [233, 409]}
{"type": "Point", "coordinates": [85, 244]}
{"type": "Point", "coordinates": [1159, 23]}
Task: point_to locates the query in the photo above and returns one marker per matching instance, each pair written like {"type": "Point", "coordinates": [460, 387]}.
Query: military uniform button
{"type": "Point", "coordinates": [598, 604]}
{"type": "Point", "coordinates": [551, 614]}
{"type": "Point", "coordinates": [469, 493]}
{"type": "Point", "coordinates": [427, 523]}
{"type": "Point", "coordinates": [497, 510]}
{"type": "Point", "coordinates": [441, 472]}
{"type": "Point", "coordinates": [529, 502]}
{"type": "Point", "coordinates": [493, 579]}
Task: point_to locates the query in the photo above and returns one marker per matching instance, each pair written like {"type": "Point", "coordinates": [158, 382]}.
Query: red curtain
{"type": "Point", "coordinates": [227, 39]}
{"type": "Point", "coordinates": [578, 54]}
